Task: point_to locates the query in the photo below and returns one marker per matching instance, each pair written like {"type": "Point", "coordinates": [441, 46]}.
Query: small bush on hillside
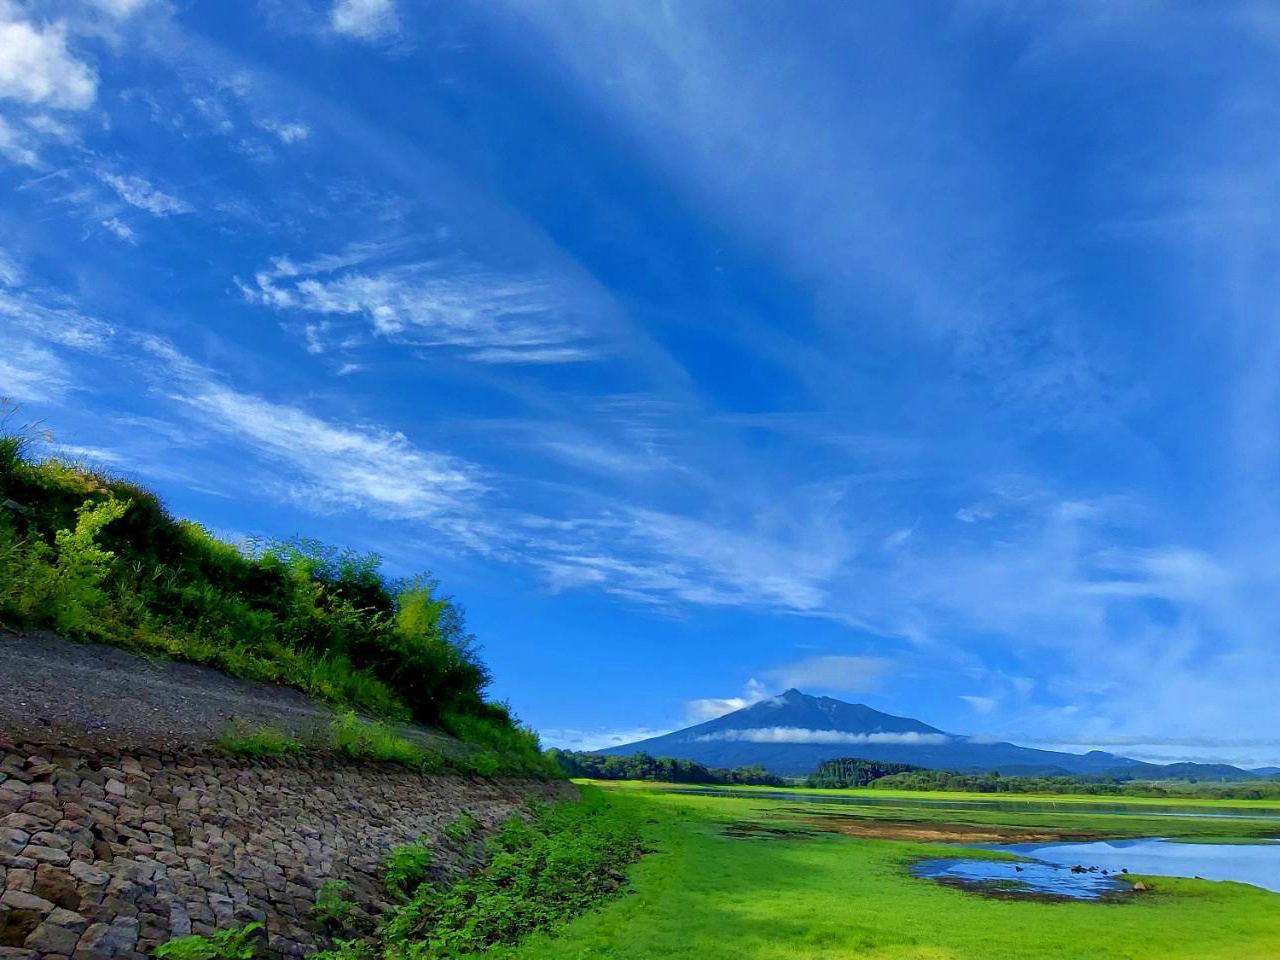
{"type": "Point", "coordinates": [267, 742]}
{"type": "Point", "coordinates": [333, 910]}
{"type": "Point", "coordinates": [347, 950]}
{"type": "Point", "coordinates": [237, 944]}
{"type": "Point", "coordinates": [406, 866]}
{"type": "Point", "coordinates": [461, 828]}
{"type": "Point", "coordinates": [366, 740]}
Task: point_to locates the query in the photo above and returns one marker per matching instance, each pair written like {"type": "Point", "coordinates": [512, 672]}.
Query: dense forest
{"type": "Point", "coordinates": [641, 766]}
{"type": "Point", "coordinates": [97, 557]}
{"type": "Point", "coordinates": [854, 772]}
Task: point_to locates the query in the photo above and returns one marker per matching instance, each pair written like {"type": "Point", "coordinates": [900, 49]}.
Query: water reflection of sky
{"type": "Point", "coordinates": [1033, 877]}
{"type": "Point", "coordinates": [1050, 868]}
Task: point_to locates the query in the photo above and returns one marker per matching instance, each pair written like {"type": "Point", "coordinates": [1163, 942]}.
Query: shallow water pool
{"type": "Point", "coordinates": [1049, 870]}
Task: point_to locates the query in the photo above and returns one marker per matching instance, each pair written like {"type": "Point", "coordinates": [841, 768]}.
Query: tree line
{"type": "Point", "coordinates": [854, 772]}
{"type": "Point", "coordinates": [642, 766]}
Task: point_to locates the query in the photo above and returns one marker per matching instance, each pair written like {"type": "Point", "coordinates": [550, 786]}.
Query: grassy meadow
{"type": "Point", "coordinates": [772, 878]}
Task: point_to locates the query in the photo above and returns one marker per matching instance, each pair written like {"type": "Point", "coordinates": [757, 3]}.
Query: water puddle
{"type": "Point", "coordinates": [1023, 880]}
{"type": "Point", "coordinates": [1096, 871]}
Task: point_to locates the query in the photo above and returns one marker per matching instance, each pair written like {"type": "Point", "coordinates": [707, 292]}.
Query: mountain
{"type": "Point", "coordinates": [791, 733]}
{"type": "Point", "coordinates": [1266, 771]}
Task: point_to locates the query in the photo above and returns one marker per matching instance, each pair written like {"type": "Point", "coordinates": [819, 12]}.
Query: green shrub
{"type": "Point", "coordinates": [347, 950]}
{"type": "Point", "coordinates": [237, 944]}
{"type": "Point", "coordinates": [461, 827]}
{"type": "Point", "coordinates": [406, 867]}
{"type": "Point", "coordinates": [542, 870]}
{"type": "Point", "coordinates": [368, 740]}
{"type": "Point", "coordinates": [267, 742]}
{"type": "Point", "coordinates": [333, 909]}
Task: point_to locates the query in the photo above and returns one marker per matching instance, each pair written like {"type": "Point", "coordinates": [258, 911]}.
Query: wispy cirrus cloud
{"type": "Point", "coordinates": [364, 19]}
{"type": "Point", "coordinates": [17, 146]}
{"type": "Point", "coordinates": [568, 739]}
{"type": "Point", "coordinates": [139, 192]}
{"type": "Point", "coordinates": [31, 373]}
{"type": "Point", "coordinates": [492, 316]}
{"type": "Point", "coordinates": [365, 468]}
{"type": "Point", "coordinates": [43, 333]}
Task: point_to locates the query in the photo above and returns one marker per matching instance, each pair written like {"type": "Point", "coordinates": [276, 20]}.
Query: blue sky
{"type": "Point", "coordinates": [919, 354]}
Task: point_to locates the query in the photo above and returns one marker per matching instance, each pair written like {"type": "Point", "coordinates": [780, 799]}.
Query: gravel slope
{"type": "Point", "coordinates": [96, 695]}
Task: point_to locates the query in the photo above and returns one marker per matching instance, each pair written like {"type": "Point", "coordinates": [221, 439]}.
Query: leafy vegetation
{"type": "Point", "coordinates": [333, 910]}
{"type": "Point", "coordinates": [853, 772]}
{"type": "Point", "coordinates": [264, 742]}
{"type": "Point", "coordinates": [708, 896]}
{"type": "Point", "coordinates": [461, 828]}
{"type": "Point", "coordinates": [98, 557]}
{"type": "Point", "coordinates": [235, 944]}
{"type": "Point", "coordinates": [543, 869]}
{"type": "Point", "coordinates": [369, 740]}
{"type": "Point", "coordinates": [406, 866]}
{"type": "Point", "coordinates": [641, 766]}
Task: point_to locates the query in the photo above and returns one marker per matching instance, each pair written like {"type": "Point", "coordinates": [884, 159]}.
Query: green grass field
{"type": "Point", "coordinates": [705, 893]}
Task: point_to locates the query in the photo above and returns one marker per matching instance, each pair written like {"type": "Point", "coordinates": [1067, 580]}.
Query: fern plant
{"type": "Point", "coordinates": [234, 944]}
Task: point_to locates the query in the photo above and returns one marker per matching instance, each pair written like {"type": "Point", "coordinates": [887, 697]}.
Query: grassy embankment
{"type": "Point", "coordinates": [707, 895]}
{"type": "Point", "coordinates": [97, 557]}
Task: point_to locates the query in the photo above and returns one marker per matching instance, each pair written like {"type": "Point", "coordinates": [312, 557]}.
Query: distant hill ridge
{"type": "Point", "coordinates": [792, 733]}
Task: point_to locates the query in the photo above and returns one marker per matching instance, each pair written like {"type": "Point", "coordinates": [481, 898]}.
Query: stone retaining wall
{"type": "Point", "coordinates": [111, 854]}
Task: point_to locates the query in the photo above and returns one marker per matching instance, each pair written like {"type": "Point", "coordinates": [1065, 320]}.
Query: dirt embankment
{"type": "Point", "coordinates": [103, 697]}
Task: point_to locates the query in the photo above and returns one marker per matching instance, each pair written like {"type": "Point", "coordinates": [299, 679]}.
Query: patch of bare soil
{"type": "Point", "coordinates": [939, 832]}
{"type": "Point", "coordinates": [751, 830]}
{"type": "Point", "coordinates": [92, 695]}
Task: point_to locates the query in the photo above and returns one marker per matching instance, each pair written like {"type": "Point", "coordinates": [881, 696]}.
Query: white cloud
{"type": "Point", "coordinates": [286, 131]}
{"type": "Point", "coordinates": [16, 146]}
{"type": "Point", "coordinates": [698, 711]}
{"type": "Point", "coordinates": [495, 317]}
{"type": "Point", "coordinates": [342, 465]}
{"type": "Point", "coordinates": [850, 674]}
{"type": "Point", "coordinates": [138, 192]}
{"type": "Point", "coordinates": [121, 8]}
{"type": "Point", "coordinates": [702, 561]}
{"type": "Point", "coordinates": [120, 229]}
{"type": "Point", "coordinates": [568, 739]}
{"type": "Point", "coordinates": [803, 735]}
{"type": "Point", "coordinates": [50, 127]}
{"type": "Point", "coordinates": [91, 455]}
{"type": "Point", "coordinates": [10, 272]}
{"type": "Point", "coordinates": [981, 704]}
{"type": "Point", "coordinates": [35, 314]}
{"type": "Point", "coordinates": [37, 69]}
{"type": "Point", "coordinates": [38, 331]}
{"type": "Point", "coordinates": [32, 374]}
{"type": "Point", "coordinates": [364, 19]}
